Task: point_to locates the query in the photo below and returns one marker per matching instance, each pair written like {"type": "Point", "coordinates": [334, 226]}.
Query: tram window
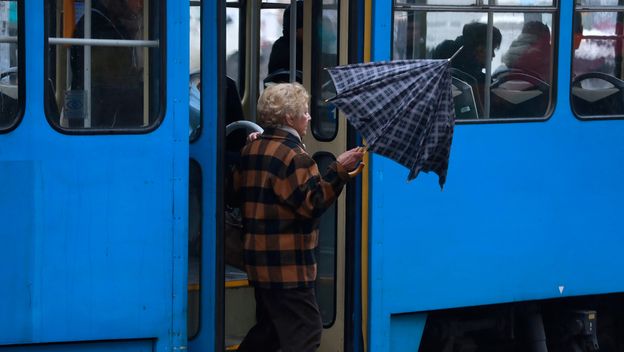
{"type": "Point", "coordinates": [325, 54]}
{"type": "Point", "coordinates": [525, 2]}
{"type": "Point", "coordinates": [326, 253]}
{"type": "Point", "coordinates": [477, 2]}
{"type": "Point", "coordinates": [597, 69]}
{"type": "Point", "coordinates": [520, 62]}
{"type": "Point", "coordinates": [120, 87]}
{"type": "Point", "coordinates": [11, 81]}
{"type": "Point", "coordinates": [194, 248]}
{"type": "Point", "coordinates": [438, 2]}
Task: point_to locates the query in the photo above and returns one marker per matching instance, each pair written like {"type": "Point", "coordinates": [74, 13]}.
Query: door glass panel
{"type": "Point", "coordinates": [326, 253]}
{"type": "Point", "coordinates": [104, 65]}
{"type": "Point", "coordinates": [10, 79]}
{"type": "Point", "coordinates": [194, 248]}
{"type": "Point", "coordinates": [324, 55]}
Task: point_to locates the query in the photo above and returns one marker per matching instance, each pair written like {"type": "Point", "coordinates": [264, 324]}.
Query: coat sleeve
{"type": "Point", "coordinates": [302, 187]}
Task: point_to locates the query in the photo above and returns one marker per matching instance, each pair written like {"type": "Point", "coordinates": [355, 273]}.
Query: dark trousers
{"type": "Point", "coordinates": [287, 319]}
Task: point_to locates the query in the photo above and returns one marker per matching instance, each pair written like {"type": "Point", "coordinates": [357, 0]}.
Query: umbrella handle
{"type": "Point", "coordinates": [357, 170]}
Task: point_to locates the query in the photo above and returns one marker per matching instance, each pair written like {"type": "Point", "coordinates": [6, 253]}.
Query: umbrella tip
{"type": "Point", "coordinates": [457, 52]}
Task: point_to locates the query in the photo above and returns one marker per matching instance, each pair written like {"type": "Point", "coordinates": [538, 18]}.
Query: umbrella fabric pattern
{"type": "Point", "coordinates": [404, 110]}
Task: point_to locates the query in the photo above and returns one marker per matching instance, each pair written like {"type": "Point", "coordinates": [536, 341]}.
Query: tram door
{"type": "Point", "coordinates": [221, 305]}
{"type": "Point", "coordinates": [91, 197]}
{"type": "Point", "coordinates": [251, 29]}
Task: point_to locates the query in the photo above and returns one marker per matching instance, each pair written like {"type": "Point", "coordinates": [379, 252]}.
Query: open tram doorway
{"type": "Point", "coordinates": [247, 31]}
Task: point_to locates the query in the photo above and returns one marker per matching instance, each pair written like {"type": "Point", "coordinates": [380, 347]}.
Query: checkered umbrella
{"type": "Point", "coordinates": [404, 110]}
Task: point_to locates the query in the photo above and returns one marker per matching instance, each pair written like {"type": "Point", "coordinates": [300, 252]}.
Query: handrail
{"type": "Point", "coordinates": [91, 42]}
{"type": "Point", "coordinates": [6, 39]}
{"type": "Point", "coordinates": [69, 13]}
{"type": "Point", "coordinates": [103, 42]}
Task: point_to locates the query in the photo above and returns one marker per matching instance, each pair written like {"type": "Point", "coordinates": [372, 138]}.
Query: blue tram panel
{"type": "Point", "coordinates": [511, 224]}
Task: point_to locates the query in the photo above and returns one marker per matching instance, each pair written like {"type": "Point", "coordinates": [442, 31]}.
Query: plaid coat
{"type": "Point", "coordinates": [283, 196]}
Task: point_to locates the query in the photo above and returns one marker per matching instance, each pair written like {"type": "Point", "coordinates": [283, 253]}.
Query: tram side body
{"type": "Point", "coordinates": [529, 212]}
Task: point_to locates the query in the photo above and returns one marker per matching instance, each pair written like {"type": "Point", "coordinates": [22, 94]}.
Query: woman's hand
{"type": "Point", "coordinates": [253, 136]}
{"type": "Point", "coordinates": [351, 158]}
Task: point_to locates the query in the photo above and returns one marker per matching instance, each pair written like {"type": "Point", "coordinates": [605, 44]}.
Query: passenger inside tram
{"type": "Point", "coordinates": [279, 61]}
{"type": "Point", "coordinates": [470, 61]}
{"type": "Point", "coordinates": [116, 72]}
{"type": "Point", "coordinates": [530, 51]}
{"type": "Point", "coordinates": [521, 85]}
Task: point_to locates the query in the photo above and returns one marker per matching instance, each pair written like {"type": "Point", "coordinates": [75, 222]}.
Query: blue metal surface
{"type": "Point", "coordinates": [529, 210]}
{"type": "Point", "coordinates": [100, 346]}
{"type": "Point", "coordinates": [93, 245]}
{"type": "Point", "coordinates": [204, 151]}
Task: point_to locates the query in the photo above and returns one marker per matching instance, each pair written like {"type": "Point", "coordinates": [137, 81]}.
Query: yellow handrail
{"type": "Point", "coordinates": [368, 8]}
{"type": "Point", "coordinates": [69, 18]}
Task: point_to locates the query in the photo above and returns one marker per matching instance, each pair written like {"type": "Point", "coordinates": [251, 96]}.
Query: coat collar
{"type": "Point", "coordinates": [285, 133]}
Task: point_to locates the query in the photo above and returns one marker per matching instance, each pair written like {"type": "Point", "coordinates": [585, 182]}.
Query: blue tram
{"type": "Point", "coordinates": [119, 118]}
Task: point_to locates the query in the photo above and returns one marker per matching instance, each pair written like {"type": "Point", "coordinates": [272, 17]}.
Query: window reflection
{"type": "Point", "coordinates": [525, 2]}
{"type": "Point", "coordinates": [598, 73]}
{"type": "Point", "coordinates": [438, 2]}
{"type": "Point", "coordinates": [598, 2]}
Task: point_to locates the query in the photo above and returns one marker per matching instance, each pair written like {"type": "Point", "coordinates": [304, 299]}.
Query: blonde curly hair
{"type": "Point", "coordinates": [279, 101]}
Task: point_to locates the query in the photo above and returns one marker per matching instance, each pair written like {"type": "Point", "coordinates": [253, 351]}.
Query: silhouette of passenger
{"type": "Point", "coordinates": [471, 60]}
{"type": "Point", "coordinates": [280, 52]}
{"type": "Point", "coordinates": [531, 51]}
{"type": "Point", "coordinates": [116, 72]}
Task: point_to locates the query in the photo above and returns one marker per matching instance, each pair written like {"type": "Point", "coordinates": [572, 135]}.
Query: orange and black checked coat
{"type": "Point", "coordinates": [282, 196]}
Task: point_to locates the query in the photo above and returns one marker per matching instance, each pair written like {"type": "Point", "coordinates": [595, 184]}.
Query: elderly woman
{"type": "Point", "coordinates": [282, 196]}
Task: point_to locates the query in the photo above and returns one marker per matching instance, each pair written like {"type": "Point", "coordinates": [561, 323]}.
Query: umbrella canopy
{"type": "Point", "coordinates": [404, 110]}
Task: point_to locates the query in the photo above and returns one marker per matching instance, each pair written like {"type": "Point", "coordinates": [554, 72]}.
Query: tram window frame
{"type": "Point", "coordinates": [579, 9]}
{"type": "Point", "coordinates": [157, 14]}
{"type": "Point", "coordinates": [17, 118]}
{"type": "Point", "coordinates": [317, 104]}
{"type": "Point", "coordinates": [491, 12]}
